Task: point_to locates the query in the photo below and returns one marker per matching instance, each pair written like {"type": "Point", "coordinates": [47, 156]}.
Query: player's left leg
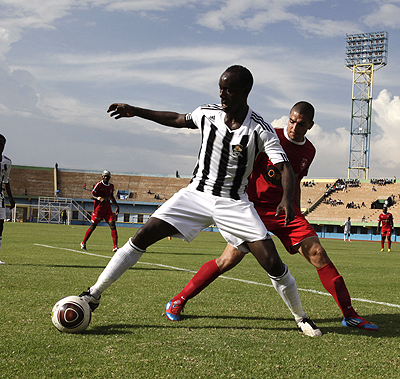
{"type": "Point", "coordinates": [266, 254]}
{"type": "Point", "coordinates": [333, 282]}
{"type": "Point", "coordinates": [114, 235]}
{"type": "Point", "coordinates": [389, 241]}
{"type": "Point", "coordinates": [286, 286]}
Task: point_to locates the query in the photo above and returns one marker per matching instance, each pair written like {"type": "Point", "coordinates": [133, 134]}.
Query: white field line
{"type": "Point", "coordinates": [222, 276]}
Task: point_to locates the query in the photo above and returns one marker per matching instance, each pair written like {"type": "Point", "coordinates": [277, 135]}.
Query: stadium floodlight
{"type": "Point", "coordinates": [365, 53]}
{"type": "Point", "coordinates": [366, 48]}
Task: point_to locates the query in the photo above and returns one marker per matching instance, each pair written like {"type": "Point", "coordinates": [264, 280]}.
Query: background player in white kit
{"type": "Point", "coordinates": [347, 230]}
{"type": "Point", "coordinates": [232, 136]}
{"type": "Point", "coordinates": [5, 167]}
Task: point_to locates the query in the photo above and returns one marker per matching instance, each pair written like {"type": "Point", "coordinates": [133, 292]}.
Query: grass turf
{"type": "Point", "coordinates": [233, 329]}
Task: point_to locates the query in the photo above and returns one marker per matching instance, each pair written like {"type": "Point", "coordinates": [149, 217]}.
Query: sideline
{"type": "Point", "coordinates": [221, 276]}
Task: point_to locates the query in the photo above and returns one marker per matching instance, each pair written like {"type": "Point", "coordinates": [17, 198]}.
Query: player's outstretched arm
{"type": "Point", "coordinates": [172, 119]}
{"type": "Point", "coordinates": [288, 182]}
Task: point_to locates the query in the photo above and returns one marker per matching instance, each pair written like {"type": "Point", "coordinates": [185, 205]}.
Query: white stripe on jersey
{"type": "Point", "coordinates": [226, 156]}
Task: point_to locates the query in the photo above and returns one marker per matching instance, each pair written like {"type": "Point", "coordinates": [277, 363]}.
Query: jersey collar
{"type": "Point", "coordinates": [291, 140]}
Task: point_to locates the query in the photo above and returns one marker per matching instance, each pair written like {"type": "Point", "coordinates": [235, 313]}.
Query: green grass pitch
{"type": "Point", "coordinates": [233, 329]}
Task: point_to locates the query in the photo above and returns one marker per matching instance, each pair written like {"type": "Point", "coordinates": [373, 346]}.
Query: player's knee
{"type": "Point", "coordinates": [318, 256]}
{"type": "Point", "coordinates": [226, 263]}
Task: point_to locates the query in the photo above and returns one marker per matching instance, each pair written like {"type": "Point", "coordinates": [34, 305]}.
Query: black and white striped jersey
{"type": "Point", "coordinates": [5, 168]}
{"type": "Point", "coordinates": [226, 156]}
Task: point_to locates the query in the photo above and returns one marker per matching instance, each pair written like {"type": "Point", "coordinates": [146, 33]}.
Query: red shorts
{"type": "Point", "coordinates": [291, 235]}
{"type": "Point", "coordinates": [385, 233]}
{"type": "Point", "coordinates": [101, 213]}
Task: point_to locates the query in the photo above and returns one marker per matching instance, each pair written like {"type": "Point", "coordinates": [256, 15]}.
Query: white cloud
{"type": "Point", "coordinates": [331, 160]}
{"type": "Point", "coordinates": [388, 15]}
{"type": "Point", "coordinates": [251, 14]}
{"type": "Point", "coordinates": [149, 5]}
{"type": "Point", "coordinates": [385, 144]}
{"type": "Point", "coordinates": [311, 25]}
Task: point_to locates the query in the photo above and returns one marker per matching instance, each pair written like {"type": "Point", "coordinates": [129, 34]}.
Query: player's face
{"type": "Point", "coordinates": [298, 126]}
{"type": "Point", "coordinates": [233, 95]}
{"type": "Point", "coordinates": [106, 178]}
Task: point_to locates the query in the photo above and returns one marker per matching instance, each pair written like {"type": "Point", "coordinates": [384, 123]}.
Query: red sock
{"type": "Point", "coordinates": [333, 282]}
{"type": "Point", "coordinates": [114, 236]}
{"type": "Point", "coordinates": [87, 235]}
{"type": "Point", "coordinates": [206, 275]}
{"type": "Point", "coordinates": [382, 243]}
{"type": "Point", "coordinates": [389, 243]}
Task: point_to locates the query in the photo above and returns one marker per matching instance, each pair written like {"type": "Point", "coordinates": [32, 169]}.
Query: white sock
{"type": "Point", "coordinates": [123, 259]}
{"type": "Point", "coordinates": [286, 286]}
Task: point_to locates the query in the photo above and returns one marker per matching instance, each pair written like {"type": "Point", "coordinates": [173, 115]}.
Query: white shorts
{"type": "Point", "coordinates": [190, 211]}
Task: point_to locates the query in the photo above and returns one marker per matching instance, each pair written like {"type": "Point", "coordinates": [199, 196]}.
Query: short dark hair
{"type": "Point", "coordinates": [305, 108]}
{"type": "Point", "coordinates": [244, 75]}
{"type": "Point", "coordinates": [3, 138]}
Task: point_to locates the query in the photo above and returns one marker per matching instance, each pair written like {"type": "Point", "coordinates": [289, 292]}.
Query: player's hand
{"type": "Point", "coordinates": [116, 210]}
{"type": "Point", "coordinates": [286, 207]}
{"type": "Point", "coordinates": [121, 110]}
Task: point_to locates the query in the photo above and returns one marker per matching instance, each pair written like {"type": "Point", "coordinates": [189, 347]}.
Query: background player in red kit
{"type": "Point", "coordinates": [102, 193]}
{"type": "Point", "coordinates": [265, 191]}
{"type": "Point", "coordinates": [386, 219]}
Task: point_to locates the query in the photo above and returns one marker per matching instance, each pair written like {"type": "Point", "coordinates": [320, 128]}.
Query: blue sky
{"type": "Point", "coordinates": [62, 62]}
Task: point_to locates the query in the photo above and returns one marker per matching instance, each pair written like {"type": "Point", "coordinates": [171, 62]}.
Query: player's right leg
{"type": "Point", "coordinates": [207, 273]}
{"type": "Point", "coordinates": [127, 256]}
{"type": "Point", "coordinates": [88, 233]}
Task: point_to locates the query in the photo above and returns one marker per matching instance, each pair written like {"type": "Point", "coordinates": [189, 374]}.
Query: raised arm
{"type": "Point", "coordinates": [171, 119]}
{"type": "Point", "coordinates": [288, 182]}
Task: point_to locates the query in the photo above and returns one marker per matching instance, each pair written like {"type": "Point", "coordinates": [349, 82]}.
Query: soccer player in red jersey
{"type": "Point", "coordinates": [386, 219]}
{"type": "Point", "coordinates": [102, 193]}
{"type": "Point", "coordinates": [265, 191]}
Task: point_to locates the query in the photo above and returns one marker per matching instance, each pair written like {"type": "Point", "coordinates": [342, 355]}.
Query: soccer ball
{"type": "Point", "coordinates": [71, 314]}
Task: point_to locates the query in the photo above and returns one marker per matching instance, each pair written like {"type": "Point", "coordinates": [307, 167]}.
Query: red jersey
{"type": "Point", "coordinates": [102, 190]}
{"type": "Point", "coordinates": [386, 220]}
{"type": "Point", "coordinates": [265, 185]}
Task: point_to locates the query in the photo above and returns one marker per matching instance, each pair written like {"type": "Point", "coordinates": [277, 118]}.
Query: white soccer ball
{"type": "Point", "coordinates": [71, 314]}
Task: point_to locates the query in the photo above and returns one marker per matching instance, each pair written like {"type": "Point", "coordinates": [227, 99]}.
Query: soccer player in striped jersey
{"type": "Point", "coordinates": [232, 135]}
{"type": "Point", "coordinates": [265, 190]}
{"type": "Point", "coordinates": [5, 167]}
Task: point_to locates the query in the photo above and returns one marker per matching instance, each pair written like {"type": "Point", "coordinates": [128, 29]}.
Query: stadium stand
{"type": "Point", "coordinates": [36, 181]}
{"type": "Point", "coordinates": [139, 195]}
{"type": "Point", "coordinates": [356, 195]}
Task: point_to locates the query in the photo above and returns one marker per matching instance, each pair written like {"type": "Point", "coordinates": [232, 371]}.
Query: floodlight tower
{"type": "Point", "coordinates": [365, 53]}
